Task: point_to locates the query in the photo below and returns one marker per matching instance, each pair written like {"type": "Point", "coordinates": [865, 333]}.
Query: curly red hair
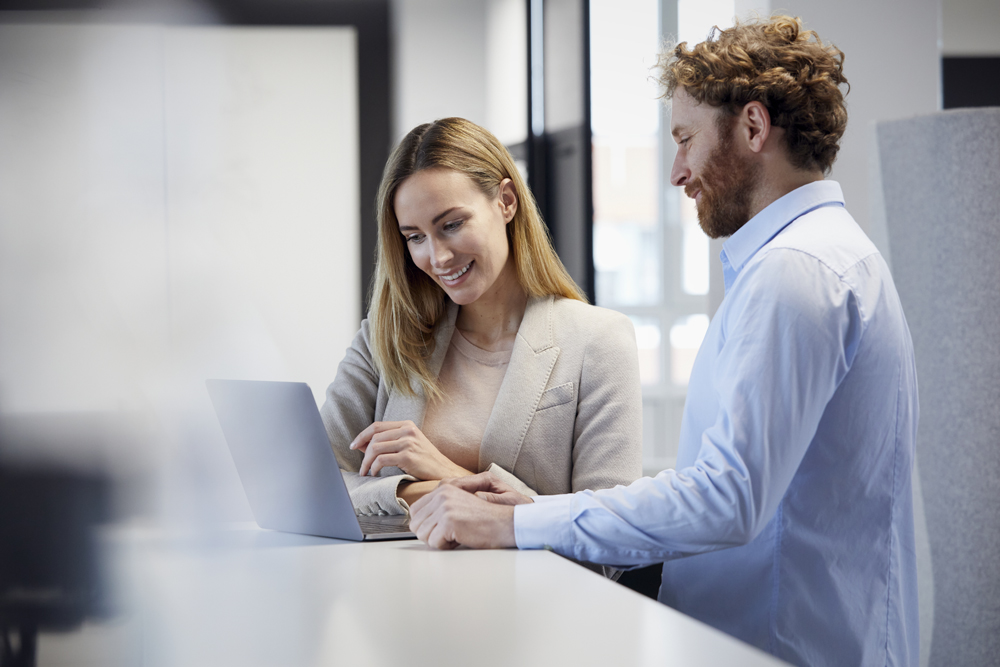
{"type": "Point", "coordinates": [775, 62]}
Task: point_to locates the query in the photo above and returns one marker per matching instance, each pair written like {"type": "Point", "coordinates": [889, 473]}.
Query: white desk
{"type": "Point", "coordinates": [249, 597]}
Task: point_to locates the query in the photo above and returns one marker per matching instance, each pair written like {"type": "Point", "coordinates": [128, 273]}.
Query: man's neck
{"type": "Point", "coordinates": [778, 181]}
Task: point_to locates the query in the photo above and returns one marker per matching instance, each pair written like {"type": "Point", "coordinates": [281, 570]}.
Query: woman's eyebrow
{"type": "Point", "coordinates": [437, 219]}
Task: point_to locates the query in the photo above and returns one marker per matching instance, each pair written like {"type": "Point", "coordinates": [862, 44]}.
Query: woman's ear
{"type": "Point", "coordinates": [507, 199]}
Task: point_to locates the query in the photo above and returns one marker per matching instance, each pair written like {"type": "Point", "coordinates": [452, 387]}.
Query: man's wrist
{"type": "Point", "coordinates": [505, 536]}
{"type": "Point", "coordinates": [544, 523]}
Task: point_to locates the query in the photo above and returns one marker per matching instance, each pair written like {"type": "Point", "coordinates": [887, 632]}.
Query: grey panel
{"type": "Point", "coordinates": [941, 181]}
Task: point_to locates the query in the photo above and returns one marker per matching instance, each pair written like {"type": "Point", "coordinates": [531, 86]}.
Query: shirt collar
{"type": "Point", "coordinates": [767, 224]}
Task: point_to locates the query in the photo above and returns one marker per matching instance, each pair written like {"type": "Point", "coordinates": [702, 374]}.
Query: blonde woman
{"type": "Point", "coordinates": [479, 352]}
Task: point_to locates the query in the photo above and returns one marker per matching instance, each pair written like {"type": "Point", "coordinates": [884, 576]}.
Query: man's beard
{"type": "Point", "coordinates": [727, 187]}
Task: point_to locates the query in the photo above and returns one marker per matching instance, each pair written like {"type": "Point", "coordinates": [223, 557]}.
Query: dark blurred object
{"type": "Point", "coordinates": [970, 81]}
{"type": "Point", "coordinates": [643, 580]}
{"type": "Point", "coordinates": [50, 574]}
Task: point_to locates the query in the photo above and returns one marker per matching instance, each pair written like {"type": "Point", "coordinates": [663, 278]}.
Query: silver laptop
{"type": "Point", "coordinates": [288, 469]}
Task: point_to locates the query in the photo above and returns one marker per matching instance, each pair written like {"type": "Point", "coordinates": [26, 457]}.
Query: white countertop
{"type": "Point", "coordinates": [249, 597]}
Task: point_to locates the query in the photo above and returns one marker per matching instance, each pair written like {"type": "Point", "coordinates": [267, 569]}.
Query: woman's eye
{"type": "Point", "coordinates": [414, 238]}
{"type": "Point", "coordinates": [452, 226]}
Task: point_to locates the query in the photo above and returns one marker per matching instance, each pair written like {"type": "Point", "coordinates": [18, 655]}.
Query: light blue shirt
{"type": "Point", "coordinates": [788, 522]}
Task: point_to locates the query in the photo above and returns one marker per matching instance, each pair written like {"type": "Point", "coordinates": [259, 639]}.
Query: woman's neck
{"type": "Point", "coordinates": [491, 321]}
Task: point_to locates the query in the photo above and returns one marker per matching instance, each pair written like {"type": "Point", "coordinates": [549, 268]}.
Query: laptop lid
{"type": "Point", "coordinates": [283, 456]}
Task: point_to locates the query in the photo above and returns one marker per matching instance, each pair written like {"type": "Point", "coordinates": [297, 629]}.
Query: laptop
{"type": "Point", "coordinates": [288, 469]}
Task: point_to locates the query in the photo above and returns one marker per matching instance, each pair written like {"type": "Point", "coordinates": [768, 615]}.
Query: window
{"type": "Point", "coordinates": [651, 259]}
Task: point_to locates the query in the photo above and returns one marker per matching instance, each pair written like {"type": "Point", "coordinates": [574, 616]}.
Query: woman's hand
{"type": "Point", "coordinates": [403, 445]}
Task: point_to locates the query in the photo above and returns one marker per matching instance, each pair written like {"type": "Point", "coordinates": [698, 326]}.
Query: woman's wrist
{"type": "Point", "coordinates": [411, 492]}
{"type": "Point", "coordinates": [458, 471]}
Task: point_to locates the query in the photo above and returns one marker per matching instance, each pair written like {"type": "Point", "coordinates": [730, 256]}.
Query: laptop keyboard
{"type": "Point", "coordinates": [373, 525]}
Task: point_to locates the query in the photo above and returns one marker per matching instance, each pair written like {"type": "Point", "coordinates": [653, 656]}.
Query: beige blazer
{"type": "Point", "coordinates": [568, 415]}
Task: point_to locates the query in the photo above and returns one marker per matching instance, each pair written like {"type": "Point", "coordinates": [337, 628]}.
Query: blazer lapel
{"type": "Point", "coordinates": [399, 407]}
{"type": "Point", "coordinates": [531, 363]}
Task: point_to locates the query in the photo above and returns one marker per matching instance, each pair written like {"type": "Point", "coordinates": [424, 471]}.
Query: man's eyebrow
{"type": "Point", "coordinates": [437, 219]}
{"type": "Point", "coordinates": [678, 130]}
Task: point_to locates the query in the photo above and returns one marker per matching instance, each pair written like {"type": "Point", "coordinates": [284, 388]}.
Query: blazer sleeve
{"type": "Point", "coordinates": [607, 449]}
{"type": "Point", "coordinates": [352, 402]}
{"type": "Point", "coordinates": [511, 480]}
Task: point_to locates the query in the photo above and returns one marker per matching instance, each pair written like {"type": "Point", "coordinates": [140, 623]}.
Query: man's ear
{"type": "Point", "coordinates": [508, 199]}
{"type": "Point", "coordinates": [755, 122]}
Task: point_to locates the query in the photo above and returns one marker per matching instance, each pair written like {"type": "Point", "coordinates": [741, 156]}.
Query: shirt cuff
{"type": "Point", "coordinates": [545, 524]}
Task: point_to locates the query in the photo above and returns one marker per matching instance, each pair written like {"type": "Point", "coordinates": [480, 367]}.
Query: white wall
{"type": "Point", "coordinates": [464, 58]}
{"type": "Point", "coordinates": [439, 61]}
{"type": "Point", "coordinates": [970, 27]}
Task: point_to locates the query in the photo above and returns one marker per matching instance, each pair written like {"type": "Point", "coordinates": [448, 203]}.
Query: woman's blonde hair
{"type": "Point", "coordinates": [406, 304]}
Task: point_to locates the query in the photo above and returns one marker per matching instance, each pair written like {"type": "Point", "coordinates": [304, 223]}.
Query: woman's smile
{"type": "Point", "coordinates": [456, 277]}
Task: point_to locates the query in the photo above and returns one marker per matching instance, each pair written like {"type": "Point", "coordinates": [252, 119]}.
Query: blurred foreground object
{"type": "Point", "coordinates": [50, 569]}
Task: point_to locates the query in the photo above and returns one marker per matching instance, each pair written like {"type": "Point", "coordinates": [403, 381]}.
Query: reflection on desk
{"type": "Point", "coordinates": [251, 597]}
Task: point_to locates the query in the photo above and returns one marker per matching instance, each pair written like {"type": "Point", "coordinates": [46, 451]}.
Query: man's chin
{"type": "Point", "coordinates": [714, 230]}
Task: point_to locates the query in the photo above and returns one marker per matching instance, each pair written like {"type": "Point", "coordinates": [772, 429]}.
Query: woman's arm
{"type": "Point", "coordinates": [352, 401]}
{"type": "Point", "coordinates": [411, 492]}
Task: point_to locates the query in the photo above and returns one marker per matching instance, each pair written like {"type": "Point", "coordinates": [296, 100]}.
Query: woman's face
{"type": "Point", "coordinates": [454, 233]}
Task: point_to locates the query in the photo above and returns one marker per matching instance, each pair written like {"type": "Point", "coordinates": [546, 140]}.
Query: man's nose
{"type": "Point", "coordinates": [679, 172]}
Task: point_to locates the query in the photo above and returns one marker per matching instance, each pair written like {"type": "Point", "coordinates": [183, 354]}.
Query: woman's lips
{"type": "Point", "coordinates": [456, 277]}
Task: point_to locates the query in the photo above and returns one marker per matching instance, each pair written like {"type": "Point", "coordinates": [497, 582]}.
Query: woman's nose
{"type": "Point", "coordinates": [441, 254]}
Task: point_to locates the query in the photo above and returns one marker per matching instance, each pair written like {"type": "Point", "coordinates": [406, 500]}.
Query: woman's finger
{"type": "Point", "coordinates": [386, 435]}
{"type": "Point", "coordinates": [386, 460]}
{"type": "Point", "coordinates": [372, 452]}
{"type": "Point", "coordinates": [363, 438]}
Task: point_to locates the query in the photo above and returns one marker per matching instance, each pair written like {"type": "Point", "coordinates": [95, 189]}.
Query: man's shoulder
{"type": "Point", "coordinates": [827, 236]}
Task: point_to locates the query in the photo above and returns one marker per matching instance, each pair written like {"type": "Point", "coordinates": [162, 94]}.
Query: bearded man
{"type": "Point", "coordinates": [788, 522]}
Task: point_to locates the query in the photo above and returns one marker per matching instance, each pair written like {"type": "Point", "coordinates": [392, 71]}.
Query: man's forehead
{"type": "Point", "coordinates": [684, 111]}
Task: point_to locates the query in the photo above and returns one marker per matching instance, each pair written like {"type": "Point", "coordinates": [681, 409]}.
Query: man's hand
{"type": "Point", "coordinates": [404, 445]}
{"type": "Point", "coordinates": [454, 515]}
{"type": "Point", "coordinates": [488, 486]}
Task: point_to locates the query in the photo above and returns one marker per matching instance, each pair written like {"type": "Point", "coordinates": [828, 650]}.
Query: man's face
{"type": "Point", "coordinates": [710, 166]}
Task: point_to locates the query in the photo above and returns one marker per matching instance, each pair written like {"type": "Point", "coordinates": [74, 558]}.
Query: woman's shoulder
{"type": "Point", "coordinates": [574, 309]}
{"type": "Point", "coordinates": [576, 318]}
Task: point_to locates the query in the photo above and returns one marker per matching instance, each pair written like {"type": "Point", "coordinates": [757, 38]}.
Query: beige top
{"type": "Point", "coordinates": [470, 379]}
